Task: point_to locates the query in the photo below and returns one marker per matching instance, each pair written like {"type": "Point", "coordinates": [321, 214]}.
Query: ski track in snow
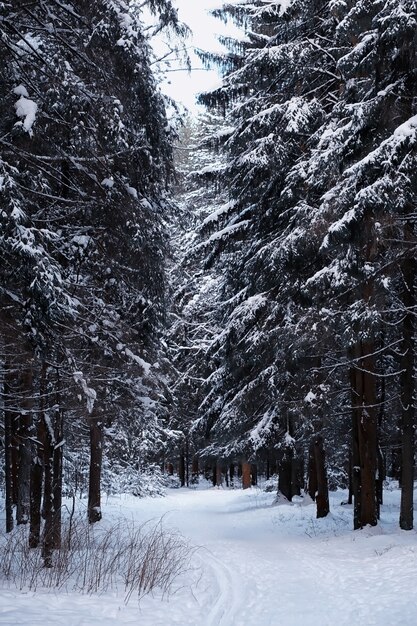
{"type": "Point", "coordinates": [254, 564]}
{"type": "Point", "coordinates": [223, 609]}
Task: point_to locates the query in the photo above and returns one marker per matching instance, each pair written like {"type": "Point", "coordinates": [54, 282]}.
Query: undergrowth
{"type": "Point", "coordinates": [92, 559]}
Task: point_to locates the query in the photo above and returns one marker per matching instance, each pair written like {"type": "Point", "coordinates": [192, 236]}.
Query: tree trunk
{"type": "Point", "coordinates": [36, 487]}
{"type": "Point", "coordinates": [181, 468]}
{"type": "Point", "coordinates": [25, 449]}
{"type": "Point", "coordinates": [213, 475]}
{"type": "Point", "coordinates": [96, 458]}
{"type": "Point", "coordinates": [232, 474]}
{"type": "Point", "coordinates": [368, 442]}
{"type": "Point", "coordinates": [356, 395]}
{"type": "Point", "coordinates": [246, 477]}
{"type": "Point", "coordinates": [312, 471]}
{"type": "Point", "coordinates": [187, 463]}
{"type": "Point", "coordinates": [297, 471]}
{"type": "Point", "coordinates": [48, 460]}
{"type": "Point", "coordinates": [381, 460]}
{"type": "Point", "coordinates": [57, 469]}
{"type": "Point", "coordinates": [286, 473]}
{"type": "Point", "coordinates": [364, 440]}
{"type": "Point", "coordinates": [15, 455]}
{"type": "Point", "coordinates": [380, 478]}
{"type": "Point", "coordinates": [36, 477]}
{"type": "Point", "coordinates": [350, 478]}
{"type": "Point", "coordinates": [395, 469]}
{"type": "Point", "coordinates": [8, 467]}
{"type": "Point", "coordinates": [254, 474]}
{"type": "Point", "coordinates": [322, 497]}
{"type": "Point", "coordinates": [407, 391]}
{"type": "Point", "coordinates": [219, 474]}
{"type": "Point", "coordinates": [194, 470]}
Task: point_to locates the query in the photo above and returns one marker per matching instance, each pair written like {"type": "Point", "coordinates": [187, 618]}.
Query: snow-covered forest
{"type": "Point", "coordinates": [220, 304]}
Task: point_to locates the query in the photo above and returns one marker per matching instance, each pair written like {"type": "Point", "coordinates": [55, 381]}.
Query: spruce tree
{"type": "Point", "coordinates": [86, 160]}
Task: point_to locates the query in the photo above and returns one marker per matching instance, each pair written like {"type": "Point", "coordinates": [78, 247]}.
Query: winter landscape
{"type": "Point", "coordinates": [207, 315]}
{"type": "Point", "coordinates": [249, 562]}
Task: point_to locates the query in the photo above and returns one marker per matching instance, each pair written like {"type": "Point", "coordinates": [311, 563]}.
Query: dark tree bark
{"type": "Point", "coordinates": [187, 462]}
{"type": "Point", "coordinates": [214, 475]}
{"type": "Point", "coordinates": [36, 477]}
{"type": "Point", "coordinates": [322, 497]}
{"type": "Point", "coordinates": [364, 437]}
{"type": "Point", "coordinates": [36, 487]}
{"type": "Point", "coordinates": [96, 459]}
{"type": "Point", "coordinates": [232, 474]}
{"type": "Point", "coordinates": [395, 465]}
{"type": "Point", "coordinates": [350, 478]}
{"type": "Point", "coordinates": [368, 441]}
{"type": "Point", "coordinates": [381, 460]}
{"type": "Point", "coordinates": [407, 390]}
{"type": "Point", "coordinates": [317, 484]}
{"type": "Point", "coordinates": [25, 448]}
{"type": "Point", "coordinates": [219, 474]}
{"type": "Point", "coordinates": [254, 474]}
{"type": "Point", "coordinates": [381, 475]}
{"type": "Point", "coordinates": [312, 471]}
{"type": "Point", "coordinates": [181, 468]}
{"type": "Point", "coordinates": [57, 468]}
{"type": "Point", "coordinates": [226, 475]}
{"type": "Point", "coordinates": [356, 394]}
{"type": "Point", "coordinates": [297, 472]}
{"type": "Point", "coordinates": [8, 461]}
{"type": "Point", "coordinates": [290, 469]}
{"type": "Point", "coordinates": [194, 470]}
{"type": "Point", "coordinates": [48, 454]}
{"type": "Point", "coordinates": [286, 473]}
{"type": "Point", "coordinates": [246, 477]}
{"type": "Point", "coordinates": [15, 455]}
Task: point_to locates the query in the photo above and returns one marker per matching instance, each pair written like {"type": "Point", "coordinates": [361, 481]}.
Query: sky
{"type": "Point", "coordinates": [182, 86]}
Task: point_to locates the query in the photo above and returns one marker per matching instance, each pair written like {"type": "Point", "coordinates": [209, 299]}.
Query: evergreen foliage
{"type": "Point", "coordinates": [320, 172]}
{"type": "Point", "coordinates": [86, 158]}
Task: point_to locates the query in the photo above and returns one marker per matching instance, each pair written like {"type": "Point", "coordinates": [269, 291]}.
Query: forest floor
{"type": "Point", "coordinates": [254, 564]}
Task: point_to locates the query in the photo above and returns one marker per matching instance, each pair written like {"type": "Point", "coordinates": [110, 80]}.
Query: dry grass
{"type": "Point", "coordinates": [95, 559]}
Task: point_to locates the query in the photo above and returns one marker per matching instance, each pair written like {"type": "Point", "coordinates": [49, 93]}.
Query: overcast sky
{"type": "Point", "coordinates": [195, 13]}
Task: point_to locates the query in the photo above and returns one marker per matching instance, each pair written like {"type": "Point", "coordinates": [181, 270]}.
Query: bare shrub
{"type": "Point", "coordinates": [139, 559]}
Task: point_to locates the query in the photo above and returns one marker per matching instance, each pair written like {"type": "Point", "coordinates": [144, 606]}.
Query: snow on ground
{"type": "Point", "coordinates": [255, 564]}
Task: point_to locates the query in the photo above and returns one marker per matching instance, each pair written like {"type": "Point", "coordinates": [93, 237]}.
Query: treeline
{"type": "Point", "coordinates": [303, 286]}
{"type": "Point", "coordinates": [86, 157]}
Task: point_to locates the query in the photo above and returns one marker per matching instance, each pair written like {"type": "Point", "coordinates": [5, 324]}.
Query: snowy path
{"type": "Point", "coordinates": [255, 565]}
